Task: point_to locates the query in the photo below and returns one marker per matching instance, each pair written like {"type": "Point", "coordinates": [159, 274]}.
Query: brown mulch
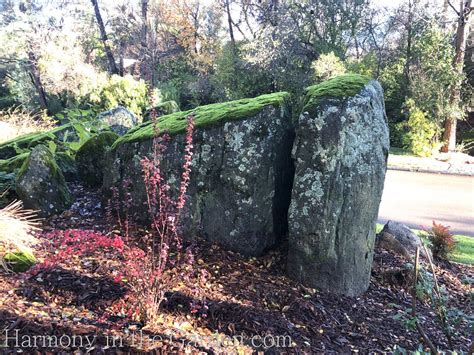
{"type": "Point", "coordinates": [247, 297]}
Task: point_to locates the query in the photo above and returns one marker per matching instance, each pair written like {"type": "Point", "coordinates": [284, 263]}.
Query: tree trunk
{"type": "Point", "coordinates": [103, 36]}
{"type": "Point", "coordinates": [449, 136]}
{"type": "Point", "coordinates": [409, 29]}
{"type": "Point", "coordinates": [121, 57]}
{"type": "Point", "coordinates": [36, 79]}
{"type": "Point", "coordinates": [144, 40]}
{"type": "Point", "coordinates": [231, 29]}
{"type": "Point", "coordinates": [444, 16]}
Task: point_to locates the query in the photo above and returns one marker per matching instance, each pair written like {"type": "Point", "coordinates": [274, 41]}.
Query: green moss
{"type": "Point", "coordinates": [98, 142]}
{"type": "Point", "coordinates": [47, 158]}
{"type": "Point", "coordinates": [19, 261]}
{"type": "Point", "coordinates": [12, 164]}
{"type": "Point", "coordinates": [204, 116]}
{"type": "Point", "coordinates": [340, 86]}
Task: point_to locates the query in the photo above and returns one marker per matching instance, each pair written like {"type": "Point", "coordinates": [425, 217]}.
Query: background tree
{"type": "Point", "coordinates": [463, 18]}
{"type": "Point", "coordinates": [103, 37]}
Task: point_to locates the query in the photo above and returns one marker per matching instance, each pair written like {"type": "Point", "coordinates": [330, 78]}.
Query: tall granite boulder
{"type": "Point", "coordinates": [241, 175]}
{"type": "Point", "coordinates": [40, 183]}
{"type": "Point", "coordinates": [119, 119]}
{"type": "Point", "coordinates": [340, 153]}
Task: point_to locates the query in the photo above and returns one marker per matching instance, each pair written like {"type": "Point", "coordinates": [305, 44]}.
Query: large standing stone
{"type": "Point", "coordinates": [340, 153]}
{"type": "Point", "coordinates": [241, 170]}
{"type": "Point", "coordinates": [119, 119]}
{"type": "Point", "coordinates": [40, 183]}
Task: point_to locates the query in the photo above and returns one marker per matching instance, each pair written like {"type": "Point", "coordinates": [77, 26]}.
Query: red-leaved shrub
{"type": "Point", "coordinates": [156, 261]}
{"type": "Point", "coordinates": [442, 240]}
{"type": "Point", "coordinates": [63, 246]}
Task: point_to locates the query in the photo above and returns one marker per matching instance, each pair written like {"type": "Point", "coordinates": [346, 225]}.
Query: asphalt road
{"type": "Point", "coordinates": [416, 199]}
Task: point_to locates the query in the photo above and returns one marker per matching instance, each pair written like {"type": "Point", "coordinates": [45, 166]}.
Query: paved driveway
{"type": "Point", "coordinates": [416, 199]}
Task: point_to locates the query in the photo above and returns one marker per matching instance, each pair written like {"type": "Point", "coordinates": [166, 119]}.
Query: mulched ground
{"type": "Point", "coordinates": [248, 297]}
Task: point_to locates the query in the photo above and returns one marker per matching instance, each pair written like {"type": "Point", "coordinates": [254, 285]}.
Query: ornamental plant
{"type": "Point", "coordinates": [64, 245]}
{"type": "Point", "coordinates": [157, 261]}
{"type": "Point", "coordinates": [442, 240]}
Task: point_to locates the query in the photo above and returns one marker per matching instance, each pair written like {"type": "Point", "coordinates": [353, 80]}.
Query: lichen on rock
{"type": "Point", "coordinates": [241, 173]}
{"type": "Point", "coordinates": [119, 119]}
{"type": "Point", "coordinates": [340, 153]}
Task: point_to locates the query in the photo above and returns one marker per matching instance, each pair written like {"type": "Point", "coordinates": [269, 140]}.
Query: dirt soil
{"type": "Point", "coordinates": [246, 297]}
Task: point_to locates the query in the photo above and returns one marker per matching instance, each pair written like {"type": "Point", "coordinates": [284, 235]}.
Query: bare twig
{"type": "Point", "coordinates": [454, 9]}
{"type": "Point", "coordinates": [415, 282]}
{"type": "Point", "coordinates": [425, 337]}
{"type": "Point", "coordinates": [439, 311]}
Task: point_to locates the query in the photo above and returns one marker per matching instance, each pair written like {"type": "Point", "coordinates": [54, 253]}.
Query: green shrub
{"type": "Point", "coordinates": [327, 66]}
{"type": "Point", "coordinates": [124, 91]}
{"type": "Point", "coordinates": [421, 132]}
{"type": "Point", "coordinates": [236, 78]}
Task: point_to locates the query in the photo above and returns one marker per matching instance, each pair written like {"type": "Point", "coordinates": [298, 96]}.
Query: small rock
{"type": "Point", "coordinates": [119, 119]}
{"type": "Point", "coordinates": [400, 239]}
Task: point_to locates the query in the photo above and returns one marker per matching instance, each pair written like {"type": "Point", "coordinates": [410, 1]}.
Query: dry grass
{"type": "Point", "coordinates": [17, 121]}
{"type": "Point", "coordinates": [17, 228]}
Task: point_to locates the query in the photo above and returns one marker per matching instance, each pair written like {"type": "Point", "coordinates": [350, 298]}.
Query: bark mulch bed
{"type": "Point", "coordinates": [62, 309]}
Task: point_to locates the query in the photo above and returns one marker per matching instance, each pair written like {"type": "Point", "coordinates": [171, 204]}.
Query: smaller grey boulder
{"type": "Point", "coordinates": [389, 242]}
{"type": "Point", "coordinates": [41, 185]}
{"type": "Point", "coordinates": [119, 119]}
{"type": "Point", "coordinates": [400, 239]}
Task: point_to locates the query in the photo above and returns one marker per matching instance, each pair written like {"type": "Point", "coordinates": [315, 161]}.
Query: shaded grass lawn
{"type": "Point", "coordinates": [464, 252]}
